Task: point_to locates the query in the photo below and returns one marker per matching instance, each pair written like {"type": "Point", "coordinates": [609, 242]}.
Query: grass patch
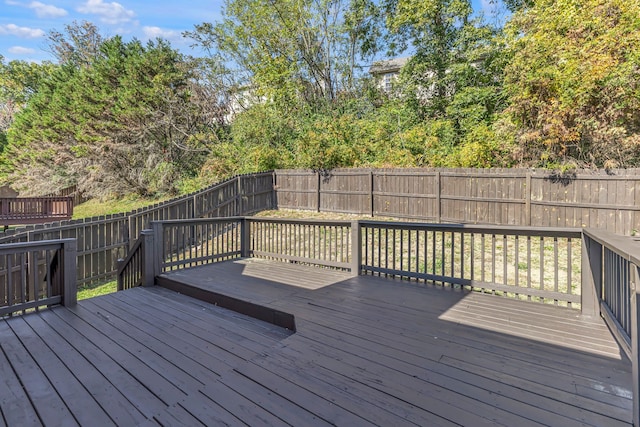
{"type": "Point", "coordinates": [95, 207]}
{"type": "Point", "coordinates": [91, 291]}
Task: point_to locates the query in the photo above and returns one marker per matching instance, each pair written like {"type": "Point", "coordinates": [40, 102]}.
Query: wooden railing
{"type": "Point", "coordinates": [323, 243]}
{"type": "Point", "coordinates": [35, 210]}
{"type": "Point", "coordinates": [611, 268]}
{"type": "Point", "coordinates": [526, 263]}
{"type": "Point", "coordinates": [535, 264]}
{"type": "Point", "coordinates": [37, 274]}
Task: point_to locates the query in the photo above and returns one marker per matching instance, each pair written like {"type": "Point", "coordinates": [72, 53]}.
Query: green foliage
{"type": "Point", "coordinates": [292, 52]}
{"type": "Point", "coordinates": [124, 124]}
{"type": "Point", "coordinates": [573, 82]}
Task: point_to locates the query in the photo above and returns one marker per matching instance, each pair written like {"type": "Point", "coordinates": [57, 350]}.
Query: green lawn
{"type": "Point", "coordinates": [95, 207]}
{"type": "Point", "coordinates": [91, 291]}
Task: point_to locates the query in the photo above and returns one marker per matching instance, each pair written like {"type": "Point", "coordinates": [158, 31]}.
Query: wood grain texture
{"type": "Point", "coordinates": [367, 351]}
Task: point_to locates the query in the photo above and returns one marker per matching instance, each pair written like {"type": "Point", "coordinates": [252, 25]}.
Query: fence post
{"type": "Point", "coordinates": [438, 198]}
{"type": "Point", "coordinates": [148, 268]}
{"type": "Point", "coordinates": [274, 190]}
{"type": "Point", "coordinates": [318, 192]}
{"type": "Point", "coordinates": [635, 342]}
{"type": "Point", "coordinates": [356, 248]}
{"type": "Point", "coordinates": [155, 252]}
{"type": "Point", "coordinates": [527, 200]}
{"type": "Point", "coordinates": [371, 192]}
{"type": "Point", "coordinates": [591, 280]}
{"type": "Point", "coordinates": [239, 206]}
{"type": "Point", "coordinates": [69, 271]}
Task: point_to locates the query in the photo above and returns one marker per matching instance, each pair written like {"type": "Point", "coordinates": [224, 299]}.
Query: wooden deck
{"type": "Point", "coordinates": [366, 351]}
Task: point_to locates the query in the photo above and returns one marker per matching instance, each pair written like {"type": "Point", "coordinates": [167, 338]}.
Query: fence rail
{"type": "Point", "coordinates": [597, 199]}
{"type": "Point", "coordinates": [37, 274]}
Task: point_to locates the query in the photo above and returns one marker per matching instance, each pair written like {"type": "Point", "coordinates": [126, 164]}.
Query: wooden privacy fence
{"type": "Point", "coordinates": [101, 241]}
{"type": "Point", "coordinates": [37, 274]}
{"type": "Point", "coordinates": [34, 210]}
{"type": "Point", "coordinates": [539, 198]}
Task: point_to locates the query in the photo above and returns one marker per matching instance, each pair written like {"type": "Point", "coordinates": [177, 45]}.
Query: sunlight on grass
{"type": "Point", "coordinates": [91, 291]}
{"type": "Point", "coordinates": [95, 207]}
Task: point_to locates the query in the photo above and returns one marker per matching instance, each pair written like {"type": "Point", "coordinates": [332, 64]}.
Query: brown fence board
{"type": "Point", "coordinates": [596, 199]}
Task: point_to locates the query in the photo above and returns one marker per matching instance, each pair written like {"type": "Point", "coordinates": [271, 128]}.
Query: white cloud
{"type": "Point", "coordinates": [46, 10]}
{"type": "Point", "coordinates": [154, 32]}
{"type": "Point", "coordinates": [24, 32]}
{"type": "Point", "coordinates": [111, 13]}
{"type": "Point", "coordinates": [19, 50]}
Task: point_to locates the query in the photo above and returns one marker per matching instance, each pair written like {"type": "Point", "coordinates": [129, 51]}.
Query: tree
{"type": "Point", "coordinates": [79, 44]}
{"type": "Point", "coordinates": [573, 82]}
{"type": "Point", "coordinates": [292, 50]}
{"type": "Point", "coordinates": [19, 81]}
{"type": "Point", "coordinates": [123, 124]}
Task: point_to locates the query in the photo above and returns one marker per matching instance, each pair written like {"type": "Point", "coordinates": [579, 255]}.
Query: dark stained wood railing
{"type": "Point", "coordinates": [131, 270]}
{"type": "Point", "coordinates": [37, 274]}
{"type": "Point", "coordinates": [189, 243]}
{"type": "Point", "coordinates": [34, 210]}
{"type": "Point", "coordinates": [611, 269]}
{"type": "Point", "coordinates": [324, 243]}
{"type": "Point", "coordinates": [527, 263]}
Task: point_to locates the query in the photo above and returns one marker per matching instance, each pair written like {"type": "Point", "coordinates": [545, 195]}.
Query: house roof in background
{"type": "Point", "coordinates": [388, 65]}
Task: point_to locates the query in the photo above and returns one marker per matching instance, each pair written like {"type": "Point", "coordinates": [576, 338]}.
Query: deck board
{"type": "Point", "coordinates": [366, 351]}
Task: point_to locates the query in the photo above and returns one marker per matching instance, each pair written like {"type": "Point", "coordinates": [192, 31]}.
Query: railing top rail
{"type": "Point", "coordinates": [625, 246]}
{"type": "Point", "coordinates": [198, 220]}
{"type": "Point", "coordinates": [300, 221]}
{"type": "Point", "coordinates": [40, 244]}
{"type": "Point", "coordinates": [484, 229]}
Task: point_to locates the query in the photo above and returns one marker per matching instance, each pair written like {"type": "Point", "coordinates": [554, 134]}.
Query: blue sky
{"type": "Point", "coordinates": [24, 23]}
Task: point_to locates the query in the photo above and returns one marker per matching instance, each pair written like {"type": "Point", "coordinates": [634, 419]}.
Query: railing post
{"type": "Point", "coordinates": [356, 248]}
{"type": "Point", "coordinates": [591, 267]}
{"type": "Point", "coordinates": [69, 271]}
{"type": "Point", "coordinates": [635, 341]}
{"type": "Point", "coordinates": [148, 267]}
{"type": "Point", "coordinates": [245, 238]}
{"type": "Point", "coordinates": [155, 251]}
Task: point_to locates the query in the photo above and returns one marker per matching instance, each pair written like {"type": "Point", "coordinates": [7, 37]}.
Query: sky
{"type": "Point", "coordinates": [25, 23]}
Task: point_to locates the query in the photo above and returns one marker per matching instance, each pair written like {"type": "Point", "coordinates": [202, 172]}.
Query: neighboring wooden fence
{"type": "Point", "coordinates": [101, 241]}
{"type": "Point", "coordinates": [539, 198]}
{"type": "Point", "coordinates": [34, 210]}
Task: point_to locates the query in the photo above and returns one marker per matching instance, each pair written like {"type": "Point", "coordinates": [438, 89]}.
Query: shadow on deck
{"type": "Point", "coordinates": [366, 351]}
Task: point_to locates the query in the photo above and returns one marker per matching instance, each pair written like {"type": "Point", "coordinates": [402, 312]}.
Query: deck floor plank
{"type": "Point", "coordinates": [366, 351]}
{"type": "Point", "coordinates": [121, 410]}
{"type": "Point", "coordinates": [48, 404]}
{"type": "Point", "coordinates": [79, 402]}
{"type": "Point", "coordinates": [15, 406]}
